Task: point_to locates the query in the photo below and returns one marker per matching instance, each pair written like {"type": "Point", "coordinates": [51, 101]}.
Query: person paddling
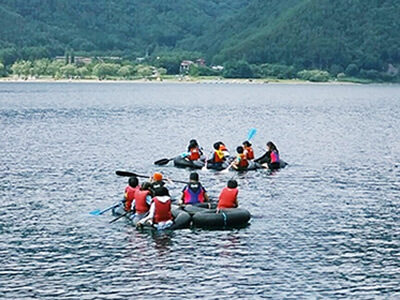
{"type": "Point", "coordinates": [241, 163]}
{"type": "Point", "coordinates": [270, 158]}
{"type": "Point", "coordinates": [130, 191]}
{"type": "Point", "coordinates": [141, 203]}
{"type": "Point", "coordinates": [193, 192]}
{"type": "Point", "coordinates": [248, 150]}
{"type": "Point", "coordinates": [228, 196]}
{"type": "Point", "coordinates": [160, 215]}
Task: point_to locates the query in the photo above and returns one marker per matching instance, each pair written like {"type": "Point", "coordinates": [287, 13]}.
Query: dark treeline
{"type": "Point", "coordinates": [357, 38]}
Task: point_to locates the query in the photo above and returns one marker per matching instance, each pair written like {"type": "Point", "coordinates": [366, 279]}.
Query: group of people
{"type": "Point", "coordinates": [150, 202]}
{"type": "Point", "coordinates": [245, 154]}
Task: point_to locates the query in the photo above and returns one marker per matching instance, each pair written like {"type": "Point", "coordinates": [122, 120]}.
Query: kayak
{"type": "Point", "coordinates": [181, 162]}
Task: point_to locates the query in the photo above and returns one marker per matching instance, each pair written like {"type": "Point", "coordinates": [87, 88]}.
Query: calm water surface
{"type": "Point", "coordinates": [325, 227]}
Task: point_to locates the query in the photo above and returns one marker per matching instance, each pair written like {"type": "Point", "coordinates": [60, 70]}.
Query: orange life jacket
{"type": "Point", "coordinates": [227, 198]}
{"type": "Point", "coordinates": [129, 196]}
{"type": "Point", "coordinates": [162, 211]}
{"type": "Point", "coordinates": [141, 205]}
{"type": "Point", "coordinates": [243, 163]}
{"type": "Point", "coordinates": [249, 153]}
{"type": "Point", "coordinates": [194, 153]}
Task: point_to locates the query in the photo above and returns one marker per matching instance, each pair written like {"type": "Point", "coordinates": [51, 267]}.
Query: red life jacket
{"type": "Point", "coordinates": [162, 211]}
{"type": "Point", "coordinates": [129, 196]}
{"type": "Point", "coordinates": [194, 153]}
{"type": "Point", "coordinates": [227, 198]}
{"type": "Point", "coordinates": [141, 205]}
{"type": "Point", "coordinates": [249, 153]}
{"type": "Point", "coordinates": [243, 163]}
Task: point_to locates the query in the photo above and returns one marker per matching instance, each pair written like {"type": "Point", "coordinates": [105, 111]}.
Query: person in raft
{"type": "Point", "coordinates": [218, 156]}
{"type": "Point", "coordinates": [130, 192]}
{"type": "Point", "coordinates": [228, 196]}
{"type": "Point", "coordinates": [141, 203]}
{"type": "Point", "coordinates": [248, 150]}
{"type": "Point", "coordinates": [156, 181]}
{"type": "Point", "coordinates": [270, 158]}
{"type": "Point", "coordinates": [160, 215]}
{"type": "Point", "coordinates": [241, 162]}
{"type": "Point", "coordinates": [193, 192]}
{"type": "Point", "coordinates": [194, 152]}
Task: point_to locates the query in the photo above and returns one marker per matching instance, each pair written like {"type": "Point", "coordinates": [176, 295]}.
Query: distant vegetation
{"type": "Point", "coordinates": [315, 40]}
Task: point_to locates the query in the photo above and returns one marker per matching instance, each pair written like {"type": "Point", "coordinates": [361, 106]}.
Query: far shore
{"type": "Point", "coordinates": [173, 79]}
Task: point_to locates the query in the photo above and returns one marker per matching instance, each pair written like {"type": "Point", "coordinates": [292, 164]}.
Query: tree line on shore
{"type": "Point", "coordinates": [158, 67]}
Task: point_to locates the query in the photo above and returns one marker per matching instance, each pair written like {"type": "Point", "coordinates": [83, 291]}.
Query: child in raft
{"type": "Point", "coordinates": [194, 151]}
{"type": "Point", "coordinates": [228, 196]}
{"type": "Point", "coordinates": [141, 203]}
{"type": "Point", "coordinates": [248, 150]}
{"type": "Point", "coordinates": [160, 215]}
{"type": "Point", "coordinates": [219, 155]}
{"type": "Point", "coordinates": [193, 192]}
{"type": "Point", "coordinates": [240, 163]}
{"type": "Point", "coordinates": [130, 191]}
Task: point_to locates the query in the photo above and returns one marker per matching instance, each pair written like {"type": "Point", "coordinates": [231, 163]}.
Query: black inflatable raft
{"type": "Point", "coordinates": [226, 218]}
{"type": "Point", "coordinates": [181, 162]}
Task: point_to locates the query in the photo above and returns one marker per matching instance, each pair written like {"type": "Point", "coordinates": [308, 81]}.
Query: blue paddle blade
{"type": "Point", "coordinates": [252, 133]}
{"type": "Point", "coordinates": [95, 212]}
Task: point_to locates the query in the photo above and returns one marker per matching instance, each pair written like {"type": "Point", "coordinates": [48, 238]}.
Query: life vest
{"type": "Point", "coordinates": [227, 198]}
{"type": "Point", "coordinates": [193, 193]}
{"type": "Point", "coordinates": [194, 153]}
{"type": "Point", "coordinates": [129, 196]}
{"type": "Point", "coordinates": [243, 163]}
{"type": "Point", "coordinates": [141, 205]}
{"type": "Point", "coordinates": [162, 211]}
{"type": "Point", "coordinates": [274, 157]}
{"type": "Point", "coordinates": [249, 153]}
{"type": "Point", "coordinates": [218, 156]}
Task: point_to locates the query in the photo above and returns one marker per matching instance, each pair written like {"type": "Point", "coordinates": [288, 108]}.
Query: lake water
{"type": "Point", "coordinates": [327, 226]}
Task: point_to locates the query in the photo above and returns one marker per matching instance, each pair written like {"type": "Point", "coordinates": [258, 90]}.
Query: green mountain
{"type": "Point", "coordinates": [37, 28]}
{"type": "Point", "coordinates": [322, 34]}
{"type": "Point", "coordinates": [341, 35]}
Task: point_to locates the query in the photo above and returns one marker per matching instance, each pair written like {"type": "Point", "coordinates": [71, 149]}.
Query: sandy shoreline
{"type": "Point", "coordinates": [170, 80]}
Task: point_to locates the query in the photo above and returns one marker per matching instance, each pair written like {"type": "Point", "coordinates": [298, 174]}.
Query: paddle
{"type": "Point", "coordinates": [250, 135]}
{"type": "Point", "coordinates": [163, 161]}
{"type": "Point", "coordinates": [98, 212]}
{"type": "Point", "coordinates": [119, 217]}
{"type": "Point", "coordinates": [130, 174]}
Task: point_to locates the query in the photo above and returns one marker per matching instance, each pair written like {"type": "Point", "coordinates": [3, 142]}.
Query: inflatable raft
{"type": "Point", "coordinates": [181, 162]}
{"type": "Point", "coordinates": [252, 166]}
{"type": "Point", "coordinates": [205, 217]}
{"type": "Point", "coordinates": [226, 218]}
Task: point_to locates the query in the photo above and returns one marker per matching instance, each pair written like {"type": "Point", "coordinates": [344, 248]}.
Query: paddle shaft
{"type": "Point", "coordinates": [119, 217]}
{"type": "Point", "coordinates": [130, 174]}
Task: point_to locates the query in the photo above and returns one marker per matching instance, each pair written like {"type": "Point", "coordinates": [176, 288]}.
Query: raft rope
{"type": "Point", "coordinates": [225, 218]}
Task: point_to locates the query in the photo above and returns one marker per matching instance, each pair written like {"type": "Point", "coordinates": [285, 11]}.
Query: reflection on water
{"type": "Point", "coordinates": [327, 226]}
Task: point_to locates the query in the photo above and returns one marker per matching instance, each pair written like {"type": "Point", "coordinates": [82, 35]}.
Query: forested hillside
{"type": "Point", "coordinates": [324, 34]}
{"type": "Point", "coordinates": [39, 28]}
{"type": "Point", "coordinates": [355, 37]}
